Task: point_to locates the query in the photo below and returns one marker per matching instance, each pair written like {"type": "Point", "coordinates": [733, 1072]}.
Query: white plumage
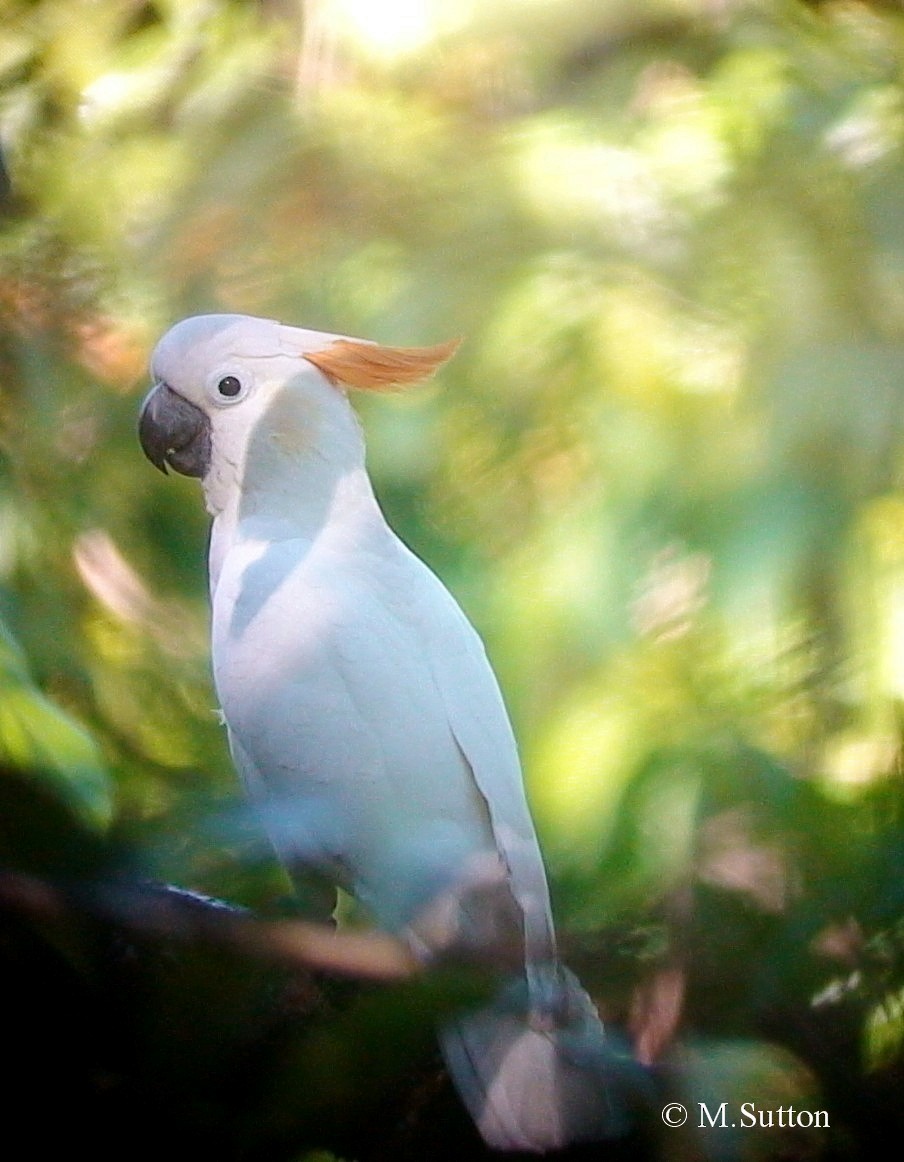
{"type": "Point", "coordinates": [361, 709]}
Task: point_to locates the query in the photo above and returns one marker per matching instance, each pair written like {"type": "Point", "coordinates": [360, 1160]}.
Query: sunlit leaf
{"type": "Point", "coordinates": [37, 736]}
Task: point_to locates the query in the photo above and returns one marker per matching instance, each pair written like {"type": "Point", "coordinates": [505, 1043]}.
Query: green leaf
{"type": "Point", "coordinates": [37, 736]}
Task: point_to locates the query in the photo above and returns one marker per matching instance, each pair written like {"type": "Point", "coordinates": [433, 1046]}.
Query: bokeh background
{"type": "Point", "coordinates": [663, 475]}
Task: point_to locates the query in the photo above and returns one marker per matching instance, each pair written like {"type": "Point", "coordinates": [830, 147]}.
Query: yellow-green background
{"type": "Point", "coordinates": [663, 475]}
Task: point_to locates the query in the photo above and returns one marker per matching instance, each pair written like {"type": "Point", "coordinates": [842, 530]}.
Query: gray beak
{"type": "Point", "coordinates": [174, 433]}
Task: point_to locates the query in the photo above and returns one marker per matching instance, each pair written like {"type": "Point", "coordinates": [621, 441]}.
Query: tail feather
{"type": "Point", "coordinates": [532, 1088]}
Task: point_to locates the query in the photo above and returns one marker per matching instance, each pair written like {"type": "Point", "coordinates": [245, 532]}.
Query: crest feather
{"type": "Point", "coordinates": [372, 366]}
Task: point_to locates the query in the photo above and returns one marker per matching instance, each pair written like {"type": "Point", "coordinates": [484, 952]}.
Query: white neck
{"type": "Point", "coordinates": [300, 470]}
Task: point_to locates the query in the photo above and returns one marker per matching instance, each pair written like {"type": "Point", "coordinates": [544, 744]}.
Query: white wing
{"type": "Point", "coordinates": [481, 727]}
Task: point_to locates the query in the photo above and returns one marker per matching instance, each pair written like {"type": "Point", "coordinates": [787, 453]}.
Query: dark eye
{"type": "Point", "coordinates": [229, 386]}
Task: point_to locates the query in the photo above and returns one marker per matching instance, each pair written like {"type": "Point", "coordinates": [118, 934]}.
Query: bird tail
{"type": "Point", "coordinates": [539, 1082]}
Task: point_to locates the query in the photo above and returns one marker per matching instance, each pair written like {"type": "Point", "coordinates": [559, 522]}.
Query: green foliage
{"type": "Point", "coordinates": [663, 474]}
{"type": "Point", "coordinates": [35, 735]}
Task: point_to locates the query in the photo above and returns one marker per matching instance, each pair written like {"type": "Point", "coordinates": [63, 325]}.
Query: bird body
{"type": "Point", "coordinates": [318, 719]}
{"type": "Point", "coordinates": [363, 715]}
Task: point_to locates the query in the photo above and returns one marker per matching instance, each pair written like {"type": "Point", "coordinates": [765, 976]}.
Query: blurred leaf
{"type": "Point", "coordinates": [35, 735]}
{"type": "Point", "coordinates": [41, 834]}
{"type": "Point", "coordinates": [664, 474]}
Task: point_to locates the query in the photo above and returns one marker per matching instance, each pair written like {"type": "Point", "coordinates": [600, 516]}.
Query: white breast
{"type": "Point", "coordinates": [324, 671]}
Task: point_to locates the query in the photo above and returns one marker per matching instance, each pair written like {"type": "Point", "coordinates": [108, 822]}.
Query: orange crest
{"type": "Point", "coordinates": [372, 366]}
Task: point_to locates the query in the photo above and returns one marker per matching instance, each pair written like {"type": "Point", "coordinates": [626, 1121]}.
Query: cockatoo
{"type": "Point", "coordinates": [361, 710]}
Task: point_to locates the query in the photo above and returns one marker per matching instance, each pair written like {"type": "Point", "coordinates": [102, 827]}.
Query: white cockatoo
{"type": "Point", "coordinates": [361, 710]}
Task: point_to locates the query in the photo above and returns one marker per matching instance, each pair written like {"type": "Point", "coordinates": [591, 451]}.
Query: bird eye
{"type": "Point", "coordinates": [229, 386]}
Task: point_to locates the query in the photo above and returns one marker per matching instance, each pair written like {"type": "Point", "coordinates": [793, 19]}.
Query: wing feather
{"type": "Point", "coordinates": [480, 724]}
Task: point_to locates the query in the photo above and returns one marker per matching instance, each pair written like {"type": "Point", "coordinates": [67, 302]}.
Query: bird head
{"type": "Point", "coordinates": [217, 376]}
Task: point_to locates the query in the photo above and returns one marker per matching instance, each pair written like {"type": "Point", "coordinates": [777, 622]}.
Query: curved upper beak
{"type": "Point", "coordinates": [174, 433]}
